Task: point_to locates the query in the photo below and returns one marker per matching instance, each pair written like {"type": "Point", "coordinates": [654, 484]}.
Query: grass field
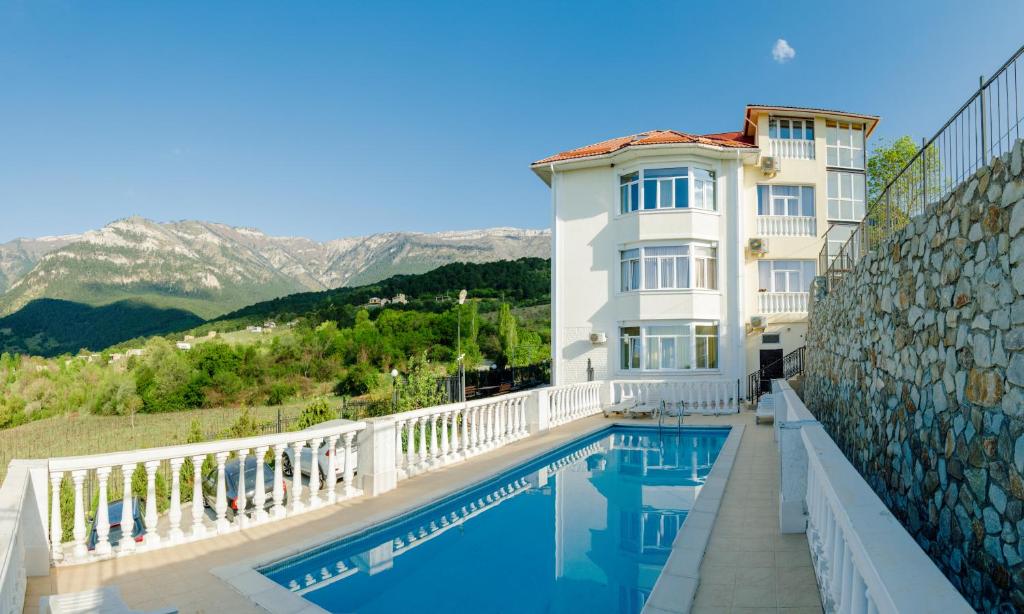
{"type": "Point", "coordinates": [78, 434]}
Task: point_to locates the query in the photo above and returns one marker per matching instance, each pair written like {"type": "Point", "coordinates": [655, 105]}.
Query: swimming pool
{"type": "Point", "coordinates": [587, 527]}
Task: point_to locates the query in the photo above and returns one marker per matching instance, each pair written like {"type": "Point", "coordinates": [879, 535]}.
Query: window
{"type": "Point", "coordinates": [788, 200]}
{"type": "Point", "coordinates": [707, 346]}
{"type": "Point", "coordinates": [844, 144]}
{"type": "Point", "coordinates": [837, 236]}
{"type": "Point", "coordinates": [630, 270]}
{"type": "Point", "coordinates": [785, 275]}
{"type": "Point", "coordinates": [797, 129]}
{"type": "Point", "coordinates": [770, 338]}
{"type": "Point", "coordinates": [845, 196]}
{"type": "Point", "coordinates": [630, 348]}
{"type": "Point", "coordinates": [666, 267]}
{"type": "Point", "coordinates": [669, 347]}
{"type": "Point", "coordinates": [629, 192]}
{"type": "Point", "coordinates": [669, 267]}
{"type": "Point", "coordinates": [703, 189]}
{"type": "Point", "coordinates": [705, 266]}
{"type": "Point", "coordinates": [667, 188]}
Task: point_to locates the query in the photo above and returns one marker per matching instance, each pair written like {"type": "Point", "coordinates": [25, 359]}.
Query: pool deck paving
{"type": "Point", "coordinates": [748, 565]}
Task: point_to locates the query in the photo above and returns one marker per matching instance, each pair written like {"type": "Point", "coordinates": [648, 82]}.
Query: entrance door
{"type": "Point", "coordinates": [771, 368]}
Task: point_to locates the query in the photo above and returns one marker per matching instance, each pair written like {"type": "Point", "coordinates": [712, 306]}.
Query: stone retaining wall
{"type": "Point", "coordinates": [915, 365]}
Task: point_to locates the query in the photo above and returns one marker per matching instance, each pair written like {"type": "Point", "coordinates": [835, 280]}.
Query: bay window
{"type": "Point", "coordinates": [845, 196]}
{"type": "Point", "coordinates": [785, 275]}
{"type": "Point", "coordinates": [667, 188]}
{"type": "Point", "coordinates": [785, 200]}
{"type": "Point", "coordinates": [669, 267]}
{"type": "Point", "coordinates": [789, 128]}
{"type": "Point", "coordinates": [844, 144]}
{"type": "Point", "coordinates": [669, 347]}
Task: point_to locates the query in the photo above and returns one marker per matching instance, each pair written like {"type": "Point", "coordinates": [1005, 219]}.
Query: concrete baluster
{"type": "Point", "coordinates": [127, 543]}
{"type": "Point", "coordinates": [198, 509]}
{"type": "Point", "coordinates": [79, 551]}
{"type": "Point", "coordinates": [102, 514]}
{"type": "Point", "coordinates": [56, 530]}
{"type": "Point", "coordinates": [175, 534]}
{"type": "Point", "coordinates": [221, 502]}
{"type": "Point", "coordinates": [152, 518]}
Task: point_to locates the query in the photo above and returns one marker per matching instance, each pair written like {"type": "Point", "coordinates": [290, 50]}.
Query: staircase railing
{"type": "Point", "coordinates": [792, 365]}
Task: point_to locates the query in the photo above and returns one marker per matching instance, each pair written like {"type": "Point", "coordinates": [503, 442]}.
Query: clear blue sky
{"type": "Point", "coordinates": [336, 119]}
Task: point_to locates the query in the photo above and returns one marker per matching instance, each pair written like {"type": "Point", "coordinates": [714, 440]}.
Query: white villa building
{"type": "Point", "coordinates": [681, 256]}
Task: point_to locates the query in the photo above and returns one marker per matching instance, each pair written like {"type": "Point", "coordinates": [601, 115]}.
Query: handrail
{"type": "Point", "coordinates": [962, 145]}
{"type": "Point", "coordinates": [756, 378]}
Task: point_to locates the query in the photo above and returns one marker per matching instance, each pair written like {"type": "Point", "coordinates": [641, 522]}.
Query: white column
{"type": "Point", "coordinates": [454, 451]}
{"type": "Point", "coordinates": [56, 530]}
{"type": "Point", "coordinates": [464, 439]}
{"type": "Point", "coordinates": [278, 510]}
{"type": "Point", "coordinates": [260, 498]}
{"type": "Point", "coordinates": [332, 469]}
{"type": "Point", "coordinates": [174, 514]}
{"type": "Point", "coordinates": [314, 472]}
{"type": "Point", "coordinates": [349, 469]}
{"type": "Point", "coordinates": [152, 536]}
{"type": "Point", "coordinates": [444, 433]}
{"type": "Point", "coordinates": [241, 500]}
{"type": "Point", "coordinates": [221, 505]}
{"type": "Point", "coordinates": [198, 509]}
{"type": "Point", "coordinates": [297, 476]}
{"type": "Point", "coordinates": [410, 447]}
{"type": "Point", "coordinates": [102, 514]}
{"type": "Point", "coordinates": [80, 550]}
{"type": "Point", "coordinates": [127, 543]}
{"type": "Point", "coordinates": [422, 424]}
{"type": "Point", "coordinates": [399, 457]}
{"type": "Point", "coordinates": [433, 439]}
{"type": "Point", "coordinates": [376, 458]}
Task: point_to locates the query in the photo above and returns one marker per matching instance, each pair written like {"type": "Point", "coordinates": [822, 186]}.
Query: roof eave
{"type": "Point", "coordinates": [871, 121]}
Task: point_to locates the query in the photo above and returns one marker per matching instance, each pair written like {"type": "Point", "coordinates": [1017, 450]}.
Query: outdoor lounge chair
{"type": "Point", "coordinates": [647, 407]}
{"type": "Point", "coordinates": [105, 600]}
{"type": "Point", "coordinates": [621, 407]}
{"type": "Point", "coordinates": [765, 409]}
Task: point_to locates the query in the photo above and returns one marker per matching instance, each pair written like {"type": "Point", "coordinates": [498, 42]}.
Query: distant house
{"type": "Point", "coordinates": [254, 329]}
{"type": "Point", "coordinates": [399, 299]}
{"type": "Point", "coordinates": [442, 298]}
{"type": "Point", "coordinates": [190, 338]}
{"type": "Point", "coordinates": [211, 334]}
{"type": "Point", "coordinates": [270, 324]}
{"type": "Point", "coordinates": [181, 345]}
{"type": "Point", "coordinates": [292, 323]}
{"type": "Point", "coordinates": [116, 357]}
{"type": "Point", "coordinates": [376, 301]}
{"type": "Point", "coordinates": [136, 351]}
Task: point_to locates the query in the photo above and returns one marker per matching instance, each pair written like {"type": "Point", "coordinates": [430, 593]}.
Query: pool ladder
{"type": "Point", "coordinates": [664, 412]}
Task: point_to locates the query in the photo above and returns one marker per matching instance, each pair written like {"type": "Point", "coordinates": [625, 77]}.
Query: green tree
{"type": "Point", "coordinates": [508, 332]}
{"type": "Point", "coordinates": [420, 387]}
{"type": "Point", "coordinates": [887, 160]}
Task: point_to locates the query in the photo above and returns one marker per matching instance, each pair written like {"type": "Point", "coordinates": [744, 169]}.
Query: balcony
{"type": "Point", "coordinates": [793, 149]}
{"type": "Point", "coordinates": [782, 302]}
{"type": "Point", "coordinates": [786, 226]}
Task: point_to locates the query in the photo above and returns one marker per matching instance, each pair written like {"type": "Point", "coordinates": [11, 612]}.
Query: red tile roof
{"type": "Point", "coordinates": [653, 137]}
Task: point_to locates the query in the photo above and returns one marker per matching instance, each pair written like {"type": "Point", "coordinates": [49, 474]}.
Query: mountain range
{"type": "Point", "coordinates": [208, 269]}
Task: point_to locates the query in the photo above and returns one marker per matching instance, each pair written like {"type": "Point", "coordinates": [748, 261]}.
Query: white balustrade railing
{"type": "Point", "coordinates": [23, 547]}
{"type": "Point", "coordinates": [433, 437]}
{"type": "Point", "coordinates": [782, 302]}
{"type": "Point", "coordinates": [865, 561]}
{"type": "Point", "coordinates": [573, 401]}
{"type": "Point", "coordinates": [119, 469]}
{"type": "Point", "coordinates": [786, 226]}
{"type": "Point", "coordinates": [794, 149]}
{"type": "Point", "coordinates": [697, 397]}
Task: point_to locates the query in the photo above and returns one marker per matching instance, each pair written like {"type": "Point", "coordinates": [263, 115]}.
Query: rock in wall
{"type": "Point", "coordinates": [915, 365]}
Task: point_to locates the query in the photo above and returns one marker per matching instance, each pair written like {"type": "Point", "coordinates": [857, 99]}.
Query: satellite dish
{"type": "Point", "coordinates": [462, 297]}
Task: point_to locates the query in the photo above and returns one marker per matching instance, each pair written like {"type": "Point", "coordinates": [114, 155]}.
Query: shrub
{"type": "Point", "coordinates": [316, 412]}
{"type": "Point", "coordinates": [280, 392]}
{"type": "Point", "coordinates": [358, 380]}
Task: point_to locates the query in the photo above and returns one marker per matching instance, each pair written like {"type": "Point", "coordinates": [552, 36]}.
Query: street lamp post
{"type": "Point", "coordinates": [458, 348]}
{"type": "Point", "coordinates": [394, 389]}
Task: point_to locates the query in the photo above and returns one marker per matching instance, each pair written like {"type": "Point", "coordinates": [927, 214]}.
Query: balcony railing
{"type": "Point", "coordinates": [794, 149]}
{"type": "Point", "coordinates": [782, 302]}
{"type": "Point", "coordinates": [786, 226]}
{"type": "Point", "coordinates": [697, 397]}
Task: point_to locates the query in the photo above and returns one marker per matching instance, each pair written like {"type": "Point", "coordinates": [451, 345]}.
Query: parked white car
{"type": "Point", "coordinates": [288, 460]}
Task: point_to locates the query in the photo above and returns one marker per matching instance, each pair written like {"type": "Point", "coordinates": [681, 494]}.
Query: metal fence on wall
{"type": "Point", "coordinates": [985, 127]}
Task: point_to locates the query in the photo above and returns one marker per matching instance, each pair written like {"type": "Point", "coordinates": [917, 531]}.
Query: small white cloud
{"type": "Point", "coordinates": [782, 52]}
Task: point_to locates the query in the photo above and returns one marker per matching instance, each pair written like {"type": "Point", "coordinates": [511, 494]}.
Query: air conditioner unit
{"type": "Point", "coordinates": [598, 338]}
{"type": "Point", "coordinates": [758, 247]}
{"type": "Point", "coordinates": [757, 322]}
{"type": "Point", "coordinates": [770, 165]}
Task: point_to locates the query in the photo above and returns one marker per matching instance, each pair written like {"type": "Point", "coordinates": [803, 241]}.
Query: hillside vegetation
{"type": "Point", "coordinates": [333, 344]}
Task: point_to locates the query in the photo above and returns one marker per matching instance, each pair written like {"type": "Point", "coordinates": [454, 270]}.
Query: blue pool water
{"type": "Point", "coordinates": [586, 528]}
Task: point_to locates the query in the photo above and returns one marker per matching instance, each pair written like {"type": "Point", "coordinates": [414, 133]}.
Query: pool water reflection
{"type": "Point", "coordinates": [585, 528]}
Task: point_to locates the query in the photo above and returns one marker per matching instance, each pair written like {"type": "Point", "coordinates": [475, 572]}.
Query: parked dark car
{"type": "Point", "coordinates": [231, 485]}
{"type": "Point", "coordinates": [114, 510]}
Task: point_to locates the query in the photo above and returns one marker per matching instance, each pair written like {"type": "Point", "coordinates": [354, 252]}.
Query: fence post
{"type": "Point", "coordinates": [924, 174]}
{"type": "Point", "coordinates": [984, 121]}
{"type": "Point", "coordinates": [538, 411]}
{"type": "Point", "coordinates": [376, 456]}
{"type": "Point", "coordinates": [278, 419]}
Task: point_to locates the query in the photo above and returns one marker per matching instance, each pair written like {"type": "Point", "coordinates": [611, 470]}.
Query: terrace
{"type": "Point", "coordinates": [801, 535]}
